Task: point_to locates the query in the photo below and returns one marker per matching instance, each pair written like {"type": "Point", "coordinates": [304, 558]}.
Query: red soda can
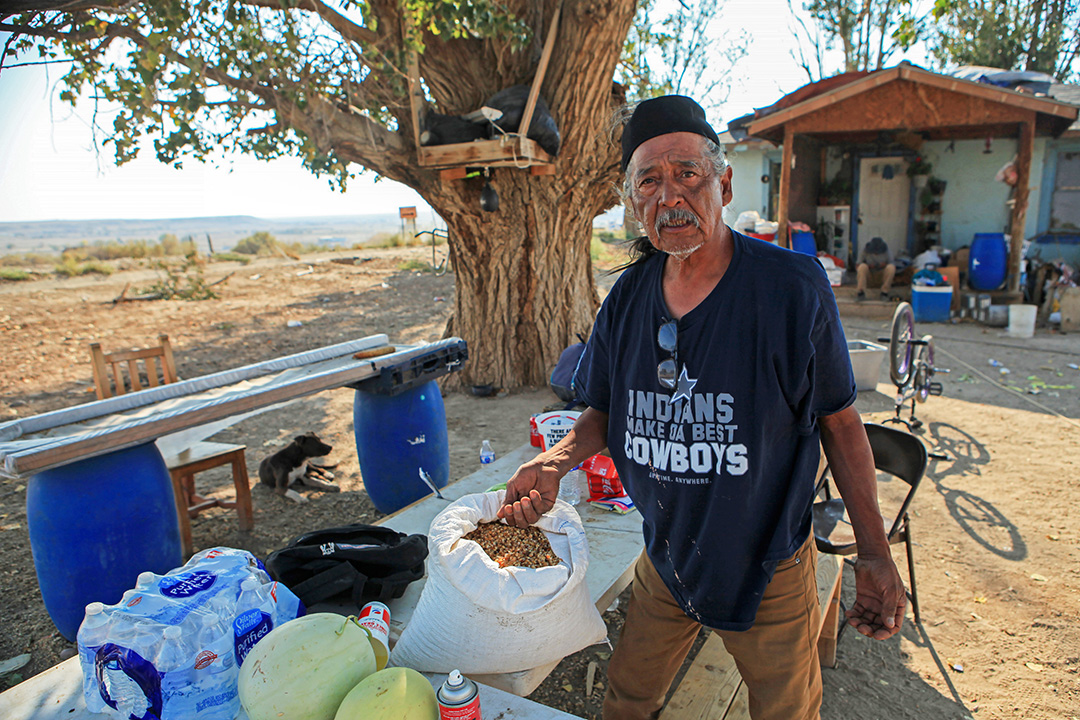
{"type": "Point", "coordinates": [459, 698]}
{"type": "Point", "coordinates": [534, 433]}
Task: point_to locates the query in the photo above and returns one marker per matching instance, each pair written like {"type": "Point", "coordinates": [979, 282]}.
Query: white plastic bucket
{"type": "Point", "coordinates": [553, 426]}
{"type": "Point", "coordinates": [1022, 320]}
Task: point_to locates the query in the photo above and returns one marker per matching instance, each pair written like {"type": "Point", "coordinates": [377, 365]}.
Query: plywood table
{"type": "Point", "coordinates": [614, 543]}
{"type": "Point", "coordinates": [56, 694]}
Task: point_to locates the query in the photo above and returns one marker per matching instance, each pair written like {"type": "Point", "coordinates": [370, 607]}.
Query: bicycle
{"type": "Point", "coordinates": [439, 266]}
{"type": "Point", "coordinates": [911, 365]}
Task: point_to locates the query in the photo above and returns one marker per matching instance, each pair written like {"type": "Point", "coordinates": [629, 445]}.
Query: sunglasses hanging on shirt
{"type": "Point", "coordinates": [667, 338]}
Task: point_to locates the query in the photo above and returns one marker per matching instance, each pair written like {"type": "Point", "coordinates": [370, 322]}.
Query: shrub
{"type": "Point", "coordinates": [71, 266]}
{"type": "Point", "coordinates": [8, 273]}
{"type": "Point", "coordinates": [232, 257]}
{"type": "Point", "coordinates": [261, 243]}
{"type": "Point", "coordinates": [183, 281]}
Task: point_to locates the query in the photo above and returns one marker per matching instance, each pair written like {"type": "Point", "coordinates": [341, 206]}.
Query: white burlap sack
{"type": "Point", "coordinates": [479, 618]}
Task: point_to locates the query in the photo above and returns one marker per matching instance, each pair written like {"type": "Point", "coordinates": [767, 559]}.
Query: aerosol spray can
{"type": "Point", "coordinates": [375, 618]}
{"type": "Point", "coordinates": [459, 698]}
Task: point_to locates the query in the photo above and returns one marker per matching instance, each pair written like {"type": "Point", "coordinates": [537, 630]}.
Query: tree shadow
{"type": "Point", "coordinates": [963, 455]}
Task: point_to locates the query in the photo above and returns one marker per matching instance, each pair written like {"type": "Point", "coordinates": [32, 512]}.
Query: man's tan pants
{"type": "Point", "coordinates": [777, 657]}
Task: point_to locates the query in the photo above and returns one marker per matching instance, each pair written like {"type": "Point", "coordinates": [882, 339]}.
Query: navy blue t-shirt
{"type": "Point", "coordinates": [724, 480]}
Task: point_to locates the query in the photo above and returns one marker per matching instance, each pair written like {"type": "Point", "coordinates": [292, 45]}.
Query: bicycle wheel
{"type": "Point", "coordinates": [924, 369]}
{"type": "Point", "coordinates": [901, 351]}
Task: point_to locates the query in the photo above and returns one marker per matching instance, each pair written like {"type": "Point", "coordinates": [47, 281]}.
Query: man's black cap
{"type": "Point", "coordinates": [660, 116]}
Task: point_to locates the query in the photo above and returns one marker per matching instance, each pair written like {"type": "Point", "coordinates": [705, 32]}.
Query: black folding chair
{"type": "Point", "coordinates": [897, 454]}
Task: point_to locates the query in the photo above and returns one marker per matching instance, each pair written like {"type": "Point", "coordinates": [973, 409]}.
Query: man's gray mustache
{"type": "Point", "coordinates": [676, 216]}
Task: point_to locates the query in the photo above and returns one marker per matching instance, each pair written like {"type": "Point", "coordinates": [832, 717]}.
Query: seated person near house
{"type": "Point", "coordinates": [876, 264]}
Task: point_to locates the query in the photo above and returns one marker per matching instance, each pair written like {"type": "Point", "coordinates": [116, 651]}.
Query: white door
{"type": "Point", "coordinates": [884, 202]}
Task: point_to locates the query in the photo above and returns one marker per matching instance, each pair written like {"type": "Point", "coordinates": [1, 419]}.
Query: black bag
{"type": "Point", "coordinates": [360, 563]}
{"type": "Point", "coordinates": [564, 375]}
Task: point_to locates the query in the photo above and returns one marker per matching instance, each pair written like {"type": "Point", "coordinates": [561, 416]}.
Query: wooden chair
{"type": "Point", "coordinates": [119, 373]}
{"type": "Point", "coordinates": [130, 371]}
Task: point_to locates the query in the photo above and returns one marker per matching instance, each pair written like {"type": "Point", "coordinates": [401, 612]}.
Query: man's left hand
{"type": "Point", "coordinates": [880, 599]}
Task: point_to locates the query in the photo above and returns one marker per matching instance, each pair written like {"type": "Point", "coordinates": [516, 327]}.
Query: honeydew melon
{"type": "Point", "coordinates": [395, 693]}
{"type": "Point", "coordinates": [304, 668]}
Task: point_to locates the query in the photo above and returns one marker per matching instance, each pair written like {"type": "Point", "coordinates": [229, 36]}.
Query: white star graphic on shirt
{"type": "Point", "coordinates": [685, 387]}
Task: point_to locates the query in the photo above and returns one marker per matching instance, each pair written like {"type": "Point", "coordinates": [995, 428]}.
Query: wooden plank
{"type": "Point", "coordinates": [101, 373]}
{"type": "Point", "coordinates": [186, 545]}
{"type": "Point", "coordinates": [1025, 151]}
{"type": "Point", "coordinates": [541, 69]}
{"type": "Point", "coordinates": [169, 360]}
{"type": "Point", "coordinates": [501, 152]}
{"type": "Point", "coordinates": [65, 450]}
{"type": "Point", "coordinates": [709, 686]}
{"type": "Point", "coordinates": [740, 707]}
{"type": "Point", "coordinates": [783, 233]}
{"type": "Point", "coordinates": [454, 173]}
{"type": "Point", "coordinates": [829, 576]}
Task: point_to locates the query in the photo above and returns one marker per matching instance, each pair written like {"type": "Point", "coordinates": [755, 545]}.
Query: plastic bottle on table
{"type": "Point", "coordinates": [92, 635]}
{"type": "Point", "coordinates": [487, 454]}
{"type": "Point", "coordinates": [215, 673]}
{"type": "Point", "coordinates": [570, 486]}
{"type": "Point", "coordinates": [254, 618]}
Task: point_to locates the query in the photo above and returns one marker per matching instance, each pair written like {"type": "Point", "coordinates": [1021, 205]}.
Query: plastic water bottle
{"type": "Point", "coordinates": [92, 634]}
{"type": "Point", "coordinates": [570, 486]}
{"type": "Point", "coordinates": [215, 670]}
{"type": "Point", "coordinates": [254, 618]}
{"type": "Point", "coordinates": [487, 455]}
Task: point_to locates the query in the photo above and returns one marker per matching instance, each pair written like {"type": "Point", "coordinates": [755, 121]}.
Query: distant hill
{"type": "Point", "coordinates": [224, 231]}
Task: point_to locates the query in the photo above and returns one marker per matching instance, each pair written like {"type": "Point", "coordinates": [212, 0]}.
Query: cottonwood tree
{"type": "Point", "coordinates": [868, 33]}
{"type": "Point", "coordinates": [1038, 35]}
{"type": "Point", "coordinates": [327, 82]}
{"type": "Point", "coordinates": [683, 52]}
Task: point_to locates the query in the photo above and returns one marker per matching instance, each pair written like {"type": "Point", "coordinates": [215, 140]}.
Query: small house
{"type": "Point", "coordinates": [921, 159]}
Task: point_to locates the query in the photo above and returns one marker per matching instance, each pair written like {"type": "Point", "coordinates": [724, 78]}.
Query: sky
{"type": "Point", "coordinates": [49, 169]}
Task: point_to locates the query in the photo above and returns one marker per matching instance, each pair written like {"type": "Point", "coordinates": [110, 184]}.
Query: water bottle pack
{"type": "Point", "coordinates": [171, 648]}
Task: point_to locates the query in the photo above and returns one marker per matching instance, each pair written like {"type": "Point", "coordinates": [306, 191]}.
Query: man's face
{"type": "Point", "coordinates": [675, 193]}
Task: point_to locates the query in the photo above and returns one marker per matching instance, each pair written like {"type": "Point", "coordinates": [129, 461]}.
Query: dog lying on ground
{"type": "Point", "coordinates": [292, 464]}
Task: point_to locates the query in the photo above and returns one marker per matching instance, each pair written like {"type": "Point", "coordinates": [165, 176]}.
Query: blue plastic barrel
{"type": "Point", "coordinates": [96, 524]}
{"type": "Point", "coordinates": [396, 437]}
{"type": "Point", "coordinates": [802, 241]}
{"type": "Point", "coordinates": [988, 261]}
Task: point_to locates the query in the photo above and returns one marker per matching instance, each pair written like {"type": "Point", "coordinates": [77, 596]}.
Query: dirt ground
{"type": "Point", "coordinates": [995, 523]}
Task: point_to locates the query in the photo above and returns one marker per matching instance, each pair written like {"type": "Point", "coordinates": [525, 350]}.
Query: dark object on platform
{"type": "Point", "coordinates": [489, 199]}
{"type": "Point", "coordinates": [898, 454]}
{"type": "Point", "coordinates": [356, 563]}
{"type": "Point", "coordinates": [440, 129]}
{"type": "Point", "coordinates": [542, 128]}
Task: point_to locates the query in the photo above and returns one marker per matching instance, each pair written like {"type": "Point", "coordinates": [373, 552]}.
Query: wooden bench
{"type": "Point", "coordinates": [712, 688]}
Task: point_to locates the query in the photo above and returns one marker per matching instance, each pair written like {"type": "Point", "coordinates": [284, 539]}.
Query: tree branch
{"type": "Point", "coordinates": [345, 27]}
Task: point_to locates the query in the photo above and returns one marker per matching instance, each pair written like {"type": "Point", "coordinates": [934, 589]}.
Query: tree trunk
{"type": "Point", "coordinates": [524, 288]}
{"type": "Point", "coordinates": [524, 276]}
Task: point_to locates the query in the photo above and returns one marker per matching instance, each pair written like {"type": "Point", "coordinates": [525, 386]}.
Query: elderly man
{"type": "Point", "coordinates": [716, 366]}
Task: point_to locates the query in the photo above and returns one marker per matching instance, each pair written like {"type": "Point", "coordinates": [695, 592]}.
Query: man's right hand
{"type": "Point", "coordinates": [530, 493]}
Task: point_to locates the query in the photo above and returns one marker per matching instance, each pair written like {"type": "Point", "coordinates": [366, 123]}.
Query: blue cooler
{"type": "Point", "coordinates": [931, 304]}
